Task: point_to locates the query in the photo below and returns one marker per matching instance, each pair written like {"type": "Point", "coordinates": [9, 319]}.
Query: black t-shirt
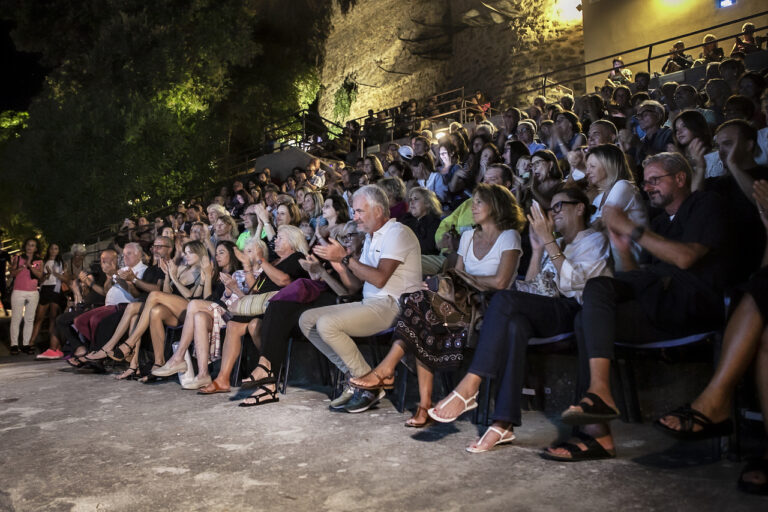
{"type": "Point", "coordinates": [289, 265]}
{"type": "Point", "coordinates": [688, 300]}
{"type": "Point", "coordinates": [743, 223]}
{"type": "Point", "coordinates": [424, 229]}
{"type": "Point", "coordinates": [92, 297]}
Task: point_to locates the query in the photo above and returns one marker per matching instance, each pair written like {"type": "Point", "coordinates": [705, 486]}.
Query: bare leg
{"type": "Point", "coordinates": [188, 330]}
{"type": "Point", "coordinates": [39, 317]}
{"type": "Point", "coordinates": [159, 317]}
{"type": "Point", "coordinates": [386, 368]}
{"type": "Point", "coordinates": [133, 368]}
{"type": "Point", "coordinates": [254, 329]}
{"type": "Point", "coordinates": [53, 340]}
{"type": "Point", "coordinates": [741, 344]}
{"type": "Point", "coordinates": [130, 314]}
{"type": "Point", "coordinates": [761, 379]}
{"type": "Point", "coordinates": [230, 351]}
{"type": "Point", "coordinates": [599, 382]}
{"type": "Point", "coordinates": [203, 324]}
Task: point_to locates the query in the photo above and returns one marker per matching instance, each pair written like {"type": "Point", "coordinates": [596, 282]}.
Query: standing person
{"type": "Point", "coordinates": [52, 301]}
{"type": "Point", "coordinates": [26, 270]}
{"type": "Point", "coordinates": [5, 258]}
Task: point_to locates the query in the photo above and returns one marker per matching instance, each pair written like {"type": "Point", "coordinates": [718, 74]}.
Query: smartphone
{"type": "Point", "coordinates": [433, 283]}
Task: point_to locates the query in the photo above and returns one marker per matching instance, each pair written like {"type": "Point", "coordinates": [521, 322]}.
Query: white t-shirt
{"type": "Point", "coordinates": [715, 166]}
{"type": "Point", "coordinates": [50, 267]}
{"type": "Point", "coordinates": [393, 241]}
{"type": "Point", "coordinates": [116, 295]}
{"type": "Point", "coordinates": [626, 196]}
{"type": "Point", "coordinates": [508, 240]}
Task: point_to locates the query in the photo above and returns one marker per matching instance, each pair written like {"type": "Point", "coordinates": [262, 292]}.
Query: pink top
{"type": "Point", "coordinates": [25, 281]}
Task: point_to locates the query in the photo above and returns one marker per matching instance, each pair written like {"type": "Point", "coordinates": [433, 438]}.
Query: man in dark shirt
{"type": "Point", "coordinates": [651, 115]}
{"type": "Point", "coordinates": [678, 292]}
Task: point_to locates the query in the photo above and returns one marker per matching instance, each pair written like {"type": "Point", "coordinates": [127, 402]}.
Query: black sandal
{"type": "Point", "coordinates": [689, 418]}
{"type": "Point", "coordinates": [594, 451]}
{"type": "Point", "coordinates": [260, 397]}
{"type": "Point", "coordinates": [269, 379]}
{"type": "Point", "coordinates": [106, 355]}
{"type": "Point", "coordinates": [120, 356]}
{"type": "Point", "coordinates": [152, 378]}
{"type": "Point", "coordinates": [755, 465]}
{"type": "Point", "coordinates": [75, 362]}
{"type": "Point", "coordinates": [596, 412]}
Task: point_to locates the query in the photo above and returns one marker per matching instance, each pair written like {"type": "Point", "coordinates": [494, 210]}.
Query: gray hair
{"type": "Point", "coordinates": [295, 238]}
{"type": "Point", "coordinates": [375, 197]}
{"type": "Point", "coordinates": [78, 249]}
{"type": "Point", "coordinates": [135, 246]}
{"type": "Point", "coordinates": [258, 242]}
{"type": "Point", "coordinates": [673, 163]}
{"type": "Point", "coordinates": [393, 186]}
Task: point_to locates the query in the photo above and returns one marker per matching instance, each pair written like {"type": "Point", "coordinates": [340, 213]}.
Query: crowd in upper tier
{"type": "Point", "coordinates": [623, 215]}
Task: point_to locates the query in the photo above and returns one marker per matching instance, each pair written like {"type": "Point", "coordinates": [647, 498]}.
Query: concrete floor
{"type": "Point", "coordinates": [87, 442]}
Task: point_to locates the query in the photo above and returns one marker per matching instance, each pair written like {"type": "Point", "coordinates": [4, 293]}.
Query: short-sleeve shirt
{"type": "Point", "coordinates": [626, 196]}
{"type": "Point", "coordinates": [117, 295]}
{"type": "Point", "coordinates": [508, 240]}
{"type": "Point", "coordinates": [25, 281]}
{"type": "Point", "coordinates": [393, 241]}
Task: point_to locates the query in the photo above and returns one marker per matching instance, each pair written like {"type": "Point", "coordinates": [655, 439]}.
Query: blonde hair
{"type": "Point", "coordinates": [258, 242]}
{"type": "Point", "coordinates": [226, 219]}
{"type": "Point", "coordinates": [295, 238]}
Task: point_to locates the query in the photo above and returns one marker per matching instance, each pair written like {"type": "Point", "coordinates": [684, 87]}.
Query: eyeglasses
{"type": "Point", "coordinates": [558, 206]}
{"type": "Point", "coordinates": [654, 180]}
{"type": "Point", "coordinates": [347, 237]}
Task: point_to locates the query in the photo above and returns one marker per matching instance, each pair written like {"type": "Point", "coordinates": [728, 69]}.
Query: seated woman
{"type": "Point", "coordinates": [693, 139]}
{"type": "Point", "coordinates": [490, 253]}
{"type": "Point", "coordinates": [203, 320]}
{"type": "Point", "coordinates": [745, 346]}
{"type": "Point", "coordinates": [313, 208]}
{"type": "Point", "coordinates": [423, 218]}
{"type": "Point", "coordinates": [164, 308]}
{"type": "Point", "coordinates": [545, 176]}
{"type": "Point", "coordinates": [544, 305]}
{"type": "Point", "coordinates": [608, 171]}
{"type": "Point", "coordinates": [566, 135]}
{"type": "Point", "coordinates": [281, 318]}
{"type": "Point", "coordinates": [395, 190]}
{"type": "Point", "coordinates": [250, 223]}
{"type": "Point", "coordinates": [336, 214]}
{"type": "Point", "coordinates": [261, 276]}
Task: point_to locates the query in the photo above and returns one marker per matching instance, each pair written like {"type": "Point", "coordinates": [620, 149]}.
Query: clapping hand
{"type": "Point", "coordinates": [333, 251]}
{"type": "Point", "coordinates": [541, 224]}
{"type": "Point", "coordinates": [616, 220]}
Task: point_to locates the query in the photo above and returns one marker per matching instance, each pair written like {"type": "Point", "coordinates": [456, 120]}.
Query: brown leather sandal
{"type": "Point", "coordinates": [383, 382]}
{"type": "Point", "coordinates": [421, 424]}
{"type": "Point", "coordinates": [212, 389]}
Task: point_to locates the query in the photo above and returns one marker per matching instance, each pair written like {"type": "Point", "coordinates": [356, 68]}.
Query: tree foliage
{"type": "Point", "coordinates": [144, 97]}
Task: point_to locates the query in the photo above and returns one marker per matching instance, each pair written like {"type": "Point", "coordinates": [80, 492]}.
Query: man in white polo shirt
{"type": "Point", "coordinates": [389, 266]}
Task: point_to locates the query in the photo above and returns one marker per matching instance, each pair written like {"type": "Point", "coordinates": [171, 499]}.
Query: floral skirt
{"type": "Point", "coordinates": [426, 334]}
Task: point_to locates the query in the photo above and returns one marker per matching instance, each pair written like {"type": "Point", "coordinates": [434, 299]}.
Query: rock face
{"type": "Point", "coordinates": [400, 49]}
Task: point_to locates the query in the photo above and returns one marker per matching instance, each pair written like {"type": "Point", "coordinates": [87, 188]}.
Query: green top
{"type": "Point", "coordinates": [461, 217]}
{"type": "Point", "coordinates": [244, 236]}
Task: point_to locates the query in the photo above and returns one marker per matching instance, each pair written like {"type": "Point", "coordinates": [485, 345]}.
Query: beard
{"type": "Point", "coordinates": [659, 200]}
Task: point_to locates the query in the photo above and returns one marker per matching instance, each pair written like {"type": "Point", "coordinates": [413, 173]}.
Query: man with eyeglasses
{"type": "Point", "coordinates": [526, 133]}
{"type": "Point", "coordinates": [651, 116]}
{"type": "Point", "coordinates": [677, 292]}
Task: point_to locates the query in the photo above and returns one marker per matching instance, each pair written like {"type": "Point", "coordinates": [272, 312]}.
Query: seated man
{"type": "Point", "coordinates": [118, 292]}
{"type": "Point", "coordinates": [678, 293]}
{"type": "Point", "coordinates": [389, 266]}
{"type": "Point", "coordinates": [651, 116]}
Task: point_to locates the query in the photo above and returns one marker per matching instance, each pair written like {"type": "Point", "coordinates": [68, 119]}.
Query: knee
{"type": "Point", "coordinates": [156, 313]}
{"type": "Point", "coordinates": [306, 322]}
{"type": "Point", "coordinates": [598, 287]}
{"type": "Point", "coordinates": [195, 305]}
{"type": "Point", "coordinates": [326, 325]}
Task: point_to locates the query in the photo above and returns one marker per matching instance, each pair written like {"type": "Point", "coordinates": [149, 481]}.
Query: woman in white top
{"type": "Point", "coordinates": [52, 301]}
{"type": "Point", "coordinates": [544, 305]}
{"type": "Point", "coordinates": [607, 170]}
{"type": "Point", "coordinates": [490, 254]}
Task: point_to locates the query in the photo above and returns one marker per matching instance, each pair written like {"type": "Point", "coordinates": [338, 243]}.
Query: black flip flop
{"type": "Point", "coordinates": [594, 451]}
{"type": "Point", "coordinates": [689, 418]}
{"type": "Point", "coordinates": [596, 412]}
{"type": "Point", "coordinates": [260, 398]}
{"type": "Point", "coordinates": [750, 487]}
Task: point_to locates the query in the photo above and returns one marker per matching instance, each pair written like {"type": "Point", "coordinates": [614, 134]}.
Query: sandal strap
{"type": "Point", "coordinates": [690, 417]}
{"type": "Point", "coordinates": [598, 406]}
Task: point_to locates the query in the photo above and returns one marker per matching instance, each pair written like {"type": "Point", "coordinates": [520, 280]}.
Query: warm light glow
{"type": "Point", "coordinates": [440, 134]}
{"type": "Point", "coordinates": [568, 11]}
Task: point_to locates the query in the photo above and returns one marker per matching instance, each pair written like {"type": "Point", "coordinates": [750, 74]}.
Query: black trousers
{"type": "Point", "coordinates": [280, 319]}
{"type": "Point", "coordinates": [511, 320]}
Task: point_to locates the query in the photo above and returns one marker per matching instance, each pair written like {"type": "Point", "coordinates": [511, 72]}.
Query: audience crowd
{"type": "Point", "coordinates": [622, 215]}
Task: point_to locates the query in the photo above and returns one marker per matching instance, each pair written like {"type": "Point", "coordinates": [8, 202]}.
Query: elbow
{"type": "Point", "coordinates": [685, 261]}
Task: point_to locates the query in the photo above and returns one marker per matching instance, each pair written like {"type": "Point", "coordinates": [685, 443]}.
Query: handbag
{"type": "Point", "coordinates": [460, 301]}
{"type": "Point", "coordinates": [251, 305]}
{"type": "Point", "coordinates": [301, 290]}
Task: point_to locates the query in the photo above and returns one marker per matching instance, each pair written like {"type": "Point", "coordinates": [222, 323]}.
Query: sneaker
{"type": "Point", "coordinates": [51, 354]}
{"type": "Point", "coordinates": [364, 400]}
{"type": "Point", "coordinates": [340, 401]}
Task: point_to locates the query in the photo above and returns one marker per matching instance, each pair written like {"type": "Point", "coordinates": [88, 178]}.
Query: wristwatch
{"type": "Point", "coordinates": [637, 233]}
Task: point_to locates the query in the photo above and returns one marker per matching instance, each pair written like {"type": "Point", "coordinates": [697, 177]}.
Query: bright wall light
{"type": "Point", "coordinates": [568, 11]}
{"type": "Point", "coordinates": [724, 3]}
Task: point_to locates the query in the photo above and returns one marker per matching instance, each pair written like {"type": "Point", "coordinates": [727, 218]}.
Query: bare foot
{"type": "Point", "coordinates": [454, 405]}
{"type": "Point", "coordinates": [127, 374]}
{"type": "Point", "coordinates": [374, 379]}
{"type": "Point", "coordinates": [420, 417]}
{"type": "Point", "coordinates": [605, 397]}
{"type": "Point", "coordinates": [605, 441]}
{"type": "Point", "coordinates": [491, 437]}
{"type": "Point", "coordinates": [714, 412]}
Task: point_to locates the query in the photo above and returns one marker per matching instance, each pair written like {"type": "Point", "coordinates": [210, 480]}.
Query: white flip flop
{"type": "Point", "coordinates": [502, 439]}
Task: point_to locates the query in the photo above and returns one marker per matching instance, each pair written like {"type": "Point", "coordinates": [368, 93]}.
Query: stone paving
{"type": "Point", "coordinates": [72, 442]}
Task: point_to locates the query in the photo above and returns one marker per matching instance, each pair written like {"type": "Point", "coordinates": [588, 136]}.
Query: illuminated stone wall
{"type": "Point", "coordinates": [400, 49]}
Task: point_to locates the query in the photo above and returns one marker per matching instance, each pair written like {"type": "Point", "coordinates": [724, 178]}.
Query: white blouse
{"type": "Point", "coordinates": [586, 257]}
{"type": "Point", "coordinates": [626, 196]}
{"type": "Point", "coordinates": [488, 265]}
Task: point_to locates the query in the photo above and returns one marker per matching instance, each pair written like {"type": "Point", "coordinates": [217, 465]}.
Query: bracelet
{"type": "Point", "coordinates": [557, 256]}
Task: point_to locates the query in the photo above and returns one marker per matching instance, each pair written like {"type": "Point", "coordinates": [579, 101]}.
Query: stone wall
{"type": "Point", "coordinates": [400, 49]}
